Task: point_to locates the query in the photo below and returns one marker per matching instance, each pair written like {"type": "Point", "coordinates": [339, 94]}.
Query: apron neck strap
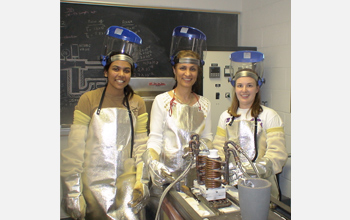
{"type": "Point", "coordinates": [101, 101]}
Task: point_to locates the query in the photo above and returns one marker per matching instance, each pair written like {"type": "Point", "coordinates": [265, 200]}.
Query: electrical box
{"type": "Point", "coordinates": [214, 71]}
{"type": "Point", "coordinates": [227, 71]}
{"type": "Point", "coordinates": [216, 86]}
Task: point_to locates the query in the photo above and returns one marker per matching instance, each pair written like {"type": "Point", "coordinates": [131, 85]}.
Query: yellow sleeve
{"type": "Point", "coordinates": [81, 118]}
{"type": "Point", "coordinates": [141, 124]}
{"type": "Point", "coordinates": [276, 129]}
{"type": "Point", "coordinates": [276, 150]}
{"type": "Point", "coordinates": [220, 132]}
{"type": "Point", "coordinates": [219, 141]}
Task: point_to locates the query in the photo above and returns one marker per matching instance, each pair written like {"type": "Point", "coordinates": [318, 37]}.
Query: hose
{"type": "Point", "coordinates": [239, 149]}
{"type": "Point", "coordinates": [183, 174]}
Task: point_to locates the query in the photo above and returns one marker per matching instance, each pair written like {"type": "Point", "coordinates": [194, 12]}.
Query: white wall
{"type": "Point", "coordinates": [265, 24]}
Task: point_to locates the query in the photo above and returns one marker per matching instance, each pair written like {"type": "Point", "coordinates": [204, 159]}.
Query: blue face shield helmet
{"type": "Point", "coordinates": [188, 38]}
{"type": "Point", "coordinates": [123, 42]}
{"type": "Point", "coordinates": [247, 63]}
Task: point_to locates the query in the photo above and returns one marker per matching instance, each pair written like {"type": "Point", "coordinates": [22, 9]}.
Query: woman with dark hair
{"type": "Point", "coordinates": [101, 168]}
{"type": "Point", "coordinates": [177, 114]}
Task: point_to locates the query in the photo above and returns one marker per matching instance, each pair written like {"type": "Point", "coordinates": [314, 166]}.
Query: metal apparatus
{"type": "Point", "coordinates": [214, 194]}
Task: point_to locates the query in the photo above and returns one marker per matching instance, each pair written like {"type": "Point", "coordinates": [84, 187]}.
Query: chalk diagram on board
{"type": "Point", "coordinates": [78, 72]}
{"type": "Point", "coordinates": [82, 35]}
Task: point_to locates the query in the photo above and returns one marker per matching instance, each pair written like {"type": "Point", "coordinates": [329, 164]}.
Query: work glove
{"type": "Point", "coordinates": [263, 165]}
{"type": "Point", "coordinates": [159, 173]}
{"type": "Point", "coordinates": [73, 201]}
{"type": "Point", "coordinates": [140, 194]}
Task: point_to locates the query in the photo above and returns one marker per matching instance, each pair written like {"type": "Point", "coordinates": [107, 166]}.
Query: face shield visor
{"type": "Point", "coordinates": [188, 38]}
{"type": "Point", "coordinates": [247, 63]}
{"type": "Point", "coordinates": [123, 42]}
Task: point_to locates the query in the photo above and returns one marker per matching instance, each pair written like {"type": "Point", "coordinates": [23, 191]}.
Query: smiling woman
{"type": "Point", "coordinates": [102, 162]}
{"type": "Point", "coordinates": [246, 90]}
{"type": "Point", "coordinates": [118, 75]}
{"type": "Point", "coordinates": [177, 114]}
{"type": "Point", "coordinates": [186, 74]}
{"type": "Point", "coordinates": [257, 129]}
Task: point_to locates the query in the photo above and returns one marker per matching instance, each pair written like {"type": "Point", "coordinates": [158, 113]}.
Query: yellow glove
{"type": "Point", "coordinates": [140, 194]}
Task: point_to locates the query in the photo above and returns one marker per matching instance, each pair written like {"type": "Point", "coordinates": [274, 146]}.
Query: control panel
{"type": "Point", "coordinates": [214, 71]}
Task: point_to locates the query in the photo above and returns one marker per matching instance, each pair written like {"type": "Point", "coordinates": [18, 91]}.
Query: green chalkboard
{"type": "Point", "coordinates": [82, 30]}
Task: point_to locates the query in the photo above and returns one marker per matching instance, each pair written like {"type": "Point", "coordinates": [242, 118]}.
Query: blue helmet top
{"type": "Point", "coordinates": [122, 41]}
{"type": "Point", "coordinates": [189, 32]}
{"type": "Point", "coordinates": [246, 56]}
{"type": "Point", "coordinates": [123, 34]}
{"type": "Point", "coordinates": [188, 38]}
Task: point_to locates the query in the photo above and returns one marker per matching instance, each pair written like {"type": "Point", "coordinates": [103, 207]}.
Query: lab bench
{"type": "Point", "coordinates": [180, 206]}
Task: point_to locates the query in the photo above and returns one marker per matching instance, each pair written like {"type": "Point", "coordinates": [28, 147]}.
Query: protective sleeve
{"type": "Point", "coordinates": [73, 156]}
{"type": "Point", "coordinates": [276, 150]}
{"type": "Point", "coordinates": [141, 123]}
{"type": "Point", "coordinates": [157, 121]}
{"type": "Point", "coordinates": [81, 118]}
{"type": "Point", "coordinates": [207, 133]}
{"type": "Point", "coordinates": [140, 142]}
{"type": "Point", "coordinates": [275, 156]}
{"type": "Point", "coordinates": [140, 192]}
{"type": "Point", "coordinates": [220, 136]}
{"type": "Point", "coordinates": [72, 159]}
{"type": "Point", "coordinates": [219, 142]}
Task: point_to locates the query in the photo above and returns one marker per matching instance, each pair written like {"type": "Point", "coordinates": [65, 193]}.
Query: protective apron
{"type": "Point", "coordinates": [109, 172]}
{"type": "Point", "coordinates": [180, 124]}
{"type": "Point", "coordinates": [242, 132]}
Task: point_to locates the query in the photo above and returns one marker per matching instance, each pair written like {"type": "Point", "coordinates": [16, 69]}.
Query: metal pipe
{"type": "Point", "coordinates": [240, 150]}
{"type": "Point", "coordinates": [172, 184]}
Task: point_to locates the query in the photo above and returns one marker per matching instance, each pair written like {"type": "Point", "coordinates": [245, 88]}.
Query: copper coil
{"type": "Point", "coordinates": [212, 173]}
{"type": "Point", "coordinates": [201, 169]}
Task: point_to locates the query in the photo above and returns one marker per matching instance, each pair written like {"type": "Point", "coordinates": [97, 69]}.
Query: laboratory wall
{"type": "Point", "coordinates": [265, 24]}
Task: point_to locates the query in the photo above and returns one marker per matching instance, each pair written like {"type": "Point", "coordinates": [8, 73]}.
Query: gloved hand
{"type": "Point", "coordinates": [158, 171]}
{"type": "Point", "coordinates": [73, 201]}
{"type": "Point", "coordinates": [264, 167]}
{"type": "Point", "coordinates": [205, 144]}
{"type": "Point", "coordinates": [140, 194]}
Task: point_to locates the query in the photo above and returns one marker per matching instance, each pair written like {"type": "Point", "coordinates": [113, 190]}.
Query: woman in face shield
{"type": "Point", "coordinates": [101, 169]}
{"type": "Point", "coordinates": [256, 129]}
{"type": "Point", "coordinates": [175, 116]}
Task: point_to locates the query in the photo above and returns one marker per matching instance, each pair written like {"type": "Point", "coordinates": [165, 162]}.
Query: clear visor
{"type": "Point", "coordinates": [256, 67]}
{"type": "Point", "coordinates": [179, 43]}
{"type": "Point", "coordinates": [112, 44]}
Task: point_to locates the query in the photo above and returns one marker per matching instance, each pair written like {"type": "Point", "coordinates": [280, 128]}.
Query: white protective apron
{"type": "Point", "coordinates": [108, 148]}
{"type": "Point", "coordinates": [245, 133]}
{"type": "Point", "coordinates": [184, 121]}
